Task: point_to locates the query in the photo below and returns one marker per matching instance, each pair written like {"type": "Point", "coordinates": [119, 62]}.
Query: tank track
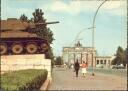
{"type": "Point", "coordinates": [18, 46]}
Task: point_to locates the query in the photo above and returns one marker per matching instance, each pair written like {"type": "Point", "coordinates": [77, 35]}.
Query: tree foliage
{"type": "Point", "coordinates": [121, 57]}
{"type": "Point", "coordinates": [58, 61]}
{"type": "Point", "coordinates": [38, 16]}
{"type": "Point", "coordinates": [41, 29]}
{"type": "Point", "coordinates": [50, 55]}
{"type": "Point", "coordinates": [24, 18]}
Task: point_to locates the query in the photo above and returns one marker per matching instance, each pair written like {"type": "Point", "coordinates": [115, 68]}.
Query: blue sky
{"type": "Point", "coordinates": [75, 15]}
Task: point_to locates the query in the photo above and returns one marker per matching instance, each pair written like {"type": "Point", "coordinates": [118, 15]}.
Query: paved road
{"type": "Point", "coordinates": [119, 72]}
{"type": "Point", "coordinates": [64, 79]}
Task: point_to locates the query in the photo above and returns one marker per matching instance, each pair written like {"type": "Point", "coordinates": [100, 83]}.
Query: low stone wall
{"type": "Point", "coordinates": [20, 62]}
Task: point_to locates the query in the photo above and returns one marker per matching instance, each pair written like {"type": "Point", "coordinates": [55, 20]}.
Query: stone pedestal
{"type": "Point", "coordinates": [20, 62]}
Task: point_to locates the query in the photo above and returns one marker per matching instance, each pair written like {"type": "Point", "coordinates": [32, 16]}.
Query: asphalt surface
{"type": "Point", "coordinates": [65, 79]}
{"type": "Point", "coordinates": [119, 72]}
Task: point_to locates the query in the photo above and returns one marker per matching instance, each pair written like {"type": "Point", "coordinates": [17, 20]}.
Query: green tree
{"type": "Point", "coordinates": [120, 57]}
{"type": "Point", "coordinates": [50, 55]}
{"type": "Point", "coordinates": [24, 18]}
{"type": "Point", "coordinates": [58, 61]}
{"type": "Point", "coordinates": [42, 30]}
{"type": "Point", "coordinates": [38, 16]}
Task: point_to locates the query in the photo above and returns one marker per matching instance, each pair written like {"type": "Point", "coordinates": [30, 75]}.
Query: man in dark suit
{"type": "Point", "coordinates": [77, 66]}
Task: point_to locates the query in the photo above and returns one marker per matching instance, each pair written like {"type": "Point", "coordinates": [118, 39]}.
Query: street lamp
{"type": "Point", "coordinates": [93, 34]}
{"type": "Point", "coordinates": [77, 36]}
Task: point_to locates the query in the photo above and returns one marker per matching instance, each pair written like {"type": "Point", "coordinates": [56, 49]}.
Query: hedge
{"type": "Point", "coordinates": [23, 80]}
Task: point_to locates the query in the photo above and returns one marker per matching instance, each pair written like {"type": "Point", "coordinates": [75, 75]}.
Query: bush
{"type": "Point", "coordinates": [23, 80]}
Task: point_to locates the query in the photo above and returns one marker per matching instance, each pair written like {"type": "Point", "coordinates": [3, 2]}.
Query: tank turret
{"type": "Point", "coordinates": [12, 24]}
{"type": "Point", "coordinates": [16, 39]}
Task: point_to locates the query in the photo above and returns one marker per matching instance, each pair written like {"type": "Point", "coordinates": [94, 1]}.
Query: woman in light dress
{"type": "Point", "coordinates": [84, 68]}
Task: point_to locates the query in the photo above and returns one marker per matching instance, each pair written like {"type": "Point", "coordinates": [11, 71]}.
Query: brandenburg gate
{"type": "Point", "coordinates": [71, 54]}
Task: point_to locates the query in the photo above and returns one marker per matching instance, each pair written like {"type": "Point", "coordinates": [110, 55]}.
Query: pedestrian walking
{"type": "Point", "coordinates": [77, 66]}
{"type": "Point", "coordinates": [84, 68]}
{"type": "Point", "coordinates": [64, 65]}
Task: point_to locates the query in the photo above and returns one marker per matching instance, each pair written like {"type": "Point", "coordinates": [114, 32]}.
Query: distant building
{"type": "Point", "coordinates": [105, 61]}
{"type": "Point", "coordinates": [71, 54]}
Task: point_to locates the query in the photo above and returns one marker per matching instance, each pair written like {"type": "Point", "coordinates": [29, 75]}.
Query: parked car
{"type": "Point", "coordinates": [118, 67]}
{"type": "Point", "coordinates": [121, 67]}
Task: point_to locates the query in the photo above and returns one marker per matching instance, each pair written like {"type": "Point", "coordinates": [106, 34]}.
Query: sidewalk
{"type": "Point", "coordinates": [64, 79]}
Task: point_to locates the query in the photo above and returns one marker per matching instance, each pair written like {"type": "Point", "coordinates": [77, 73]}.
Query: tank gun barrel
{"type": "Point", "coordinates": [52, 22]}
{"type": "Point", "coordinates": [47, 23]}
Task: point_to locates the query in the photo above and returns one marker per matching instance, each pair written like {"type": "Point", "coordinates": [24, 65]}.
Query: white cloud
{"type": "Point", "coordinates": [75, 7]}
{"type": "Point", "coordinates": [72, 7]}
{"type": "Point", "coordinates": [116, 7]}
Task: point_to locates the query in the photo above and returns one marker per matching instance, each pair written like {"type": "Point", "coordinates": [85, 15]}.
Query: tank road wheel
{"type": "Point", "coordinates": [17, 48]}
{"type": "Point", "coordinates": [44, 47]}
{"type": "Point", "coordinates": [31, 48]}
{"type": "Point", "coordinates": [3, 49]}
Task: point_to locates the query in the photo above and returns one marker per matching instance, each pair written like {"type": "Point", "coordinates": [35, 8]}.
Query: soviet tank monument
{"type": "Point", "coordinates": [17, 39]}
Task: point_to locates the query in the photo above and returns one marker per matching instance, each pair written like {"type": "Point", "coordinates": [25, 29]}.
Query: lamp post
{"type": "Point", "coordinates": [79, 34]}
{"type": "Point", "coordinates": [82, 31]}
{"type": "Point", "coordinates": [93, 34]}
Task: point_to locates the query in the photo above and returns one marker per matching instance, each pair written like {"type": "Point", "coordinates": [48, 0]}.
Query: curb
{"type": "Point", "coordinates": [45, 85]}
